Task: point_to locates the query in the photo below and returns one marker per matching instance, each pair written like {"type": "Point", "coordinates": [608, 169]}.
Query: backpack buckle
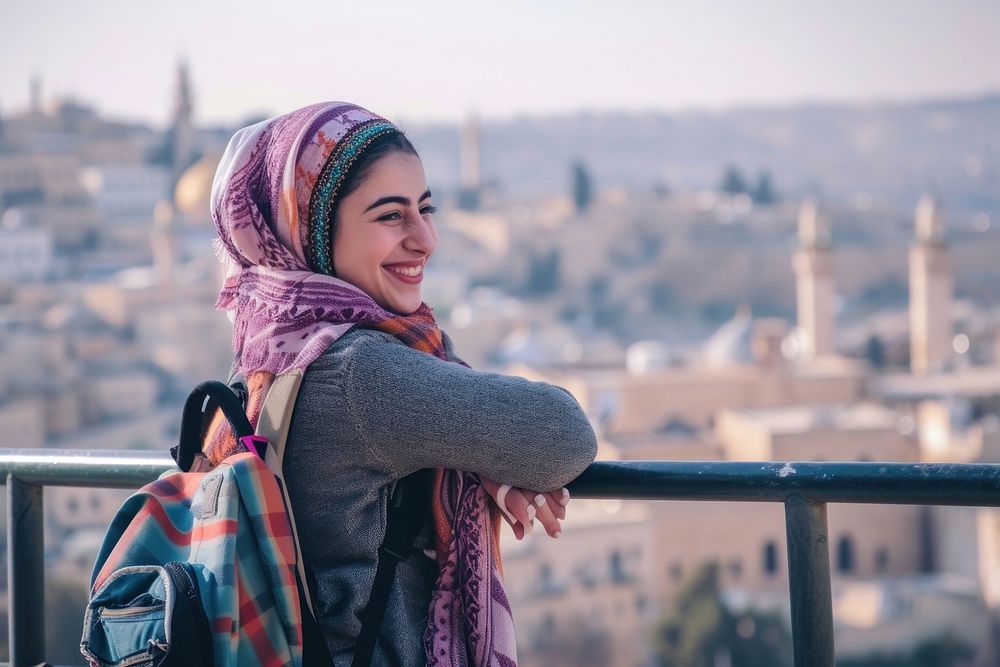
{"type": "Point", "coordinates": [255, 443]}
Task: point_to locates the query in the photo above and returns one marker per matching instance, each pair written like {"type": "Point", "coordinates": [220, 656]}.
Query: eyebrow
{"type": "Point", "coordinates": [396, 199]}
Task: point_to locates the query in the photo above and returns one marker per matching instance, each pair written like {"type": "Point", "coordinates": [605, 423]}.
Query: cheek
{"type": "Point", "coordinates": [350, 252]}
{"type": "Point", "coordinates": [375, 248]}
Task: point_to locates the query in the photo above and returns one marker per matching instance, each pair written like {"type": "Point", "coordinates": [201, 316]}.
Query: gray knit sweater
{"type": "Point", "coordinates": [372, 410]}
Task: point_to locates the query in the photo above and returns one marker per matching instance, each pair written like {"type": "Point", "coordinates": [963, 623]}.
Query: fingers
{"type": "Point", "coordinates": [554, 501]}
{"type": "Point", "coordinates": [520, 507]}
{"type": "Point", "coordinates": [546, 515]}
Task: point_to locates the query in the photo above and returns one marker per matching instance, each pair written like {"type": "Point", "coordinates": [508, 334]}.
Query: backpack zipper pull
{"type": "Point", "coordinates": [161, 646]}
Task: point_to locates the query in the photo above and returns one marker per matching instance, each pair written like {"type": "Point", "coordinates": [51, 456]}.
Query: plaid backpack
{"type": "Point", "coordinates": [200, 568]}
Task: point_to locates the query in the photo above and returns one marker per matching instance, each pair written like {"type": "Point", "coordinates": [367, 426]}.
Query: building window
{"type": "Point", "coordinates": [770, 559]}
{"type": "Point", "coordinates": [618, 573]}
{"type": "Point", "coordinates": [882, 560]}
{"type": "Point", "coordinates": [676, 571]}
{"type": "Point", "coordinates": [845, 555]}
{"type": "Point", "coordinates": [736, 568]}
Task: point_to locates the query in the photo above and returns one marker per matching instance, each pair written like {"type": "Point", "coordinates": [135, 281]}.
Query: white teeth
{"type": "Point", "coordinates": [407, 271]}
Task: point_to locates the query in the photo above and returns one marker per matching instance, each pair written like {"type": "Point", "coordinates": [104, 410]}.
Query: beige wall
{"type": "Point", "coordinates": [745, 437]}
{"type": "Point", "coordinates": [742, 439]}
{"type": "Point", "coordinates": [663, 550]}
{"type": "Point", "coordinates": [121, 395]}
{"type": "Point", "coordinates": [63, 411]}
{"type": "Point", "coordinates": [23, 423]}
{"type": "Point", "coordinates": [645, 402]}
{"type": "Point", "coordinates": [592, 616]}
{"type": "Point", "coordinates": [73, 508]}
{"type": "Point", "coordinates": [855, 445]}
{"type": "Point", "coordinates": [968, 545]}
{"type": "Point", "coordinates": [687, 534]}
{"type": "Point", "coordinates": [908, 613]}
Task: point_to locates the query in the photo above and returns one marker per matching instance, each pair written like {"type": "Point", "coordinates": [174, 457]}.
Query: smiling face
{"type": "Point", "coordinates": [385, 233]}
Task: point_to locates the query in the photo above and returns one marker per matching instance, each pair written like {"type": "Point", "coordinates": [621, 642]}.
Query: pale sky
{"type": "Point", "coordinates": [439, 59]}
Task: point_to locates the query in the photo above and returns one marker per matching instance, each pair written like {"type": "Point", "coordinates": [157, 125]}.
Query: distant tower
{"type": "Point", "coordinates": [36, 95]}
{"type": "Point", "coordinates": [183, 126]}
{"type": "Point", "coordinates": [814, 282]}
{"type": "Point", "coordinates": [470, 182]}
{"type": "Point", "coordinates": [930, 291]}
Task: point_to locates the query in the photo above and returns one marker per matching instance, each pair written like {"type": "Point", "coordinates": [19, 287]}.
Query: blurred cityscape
{"type": "Point", "coordinates": [791, 284]}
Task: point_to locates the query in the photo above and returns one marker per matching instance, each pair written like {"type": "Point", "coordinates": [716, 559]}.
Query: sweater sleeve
{"type": "Point", "coordinates": [416, 411]}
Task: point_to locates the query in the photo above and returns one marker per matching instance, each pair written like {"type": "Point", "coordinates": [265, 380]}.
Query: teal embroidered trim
{"type": "Point", "coordinates": [331, 177]}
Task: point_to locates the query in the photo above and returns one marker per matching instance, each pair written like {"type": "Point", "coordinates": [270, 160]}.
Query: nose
{"type": "Point", "coordinates": [422, 236]}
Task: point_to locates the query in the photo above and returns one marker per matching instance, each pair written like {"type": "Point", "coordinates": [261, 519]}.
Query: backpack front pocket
{"type": "Point", "coordinates": [127, 623]}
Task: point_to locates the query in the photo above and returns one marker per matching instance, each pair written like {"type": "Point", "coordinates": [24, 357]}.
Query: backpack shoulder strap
{"type": "Point", "coordinates": [274, 422]}
{"type": "Point", "coordinates": [407, 510]}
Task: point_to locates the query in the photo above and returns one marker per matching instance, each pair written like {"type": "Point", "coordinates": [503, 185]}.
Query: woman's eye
{"type": "Point", "coordinates": [390, 217]}
{"type": "Point", "coordinates": [428, 210]}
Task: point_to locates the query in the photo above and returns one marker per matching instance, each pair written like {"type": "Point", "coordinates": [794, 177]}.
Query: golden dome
{"type": "Point", "coordinates": [194, 189]}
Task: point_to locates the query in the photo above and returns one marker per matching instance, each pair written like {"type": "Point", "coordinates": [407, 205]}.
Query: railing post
{"type": "Point", "coordinates": [809, 582]}
{"type": "Point", "coordinates": [25, 573]}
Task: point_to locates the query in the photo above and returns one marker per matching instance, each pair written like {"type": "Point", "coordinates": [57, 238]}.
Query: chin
{"type": "Point", "coordinates": [407, 308]}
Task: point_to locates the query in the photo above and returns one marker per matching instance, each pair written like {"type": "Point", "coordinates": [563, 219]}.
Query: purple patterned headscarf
{"type": "Point", "coordinates": [272, 200]}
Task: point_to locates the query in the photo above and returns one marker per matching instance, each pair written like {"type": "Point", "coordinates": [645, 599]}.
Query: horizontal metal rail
{"type": "Point", "coordinates": [971, 484]}
{"type": "Point", "coordinates": [804, 488]}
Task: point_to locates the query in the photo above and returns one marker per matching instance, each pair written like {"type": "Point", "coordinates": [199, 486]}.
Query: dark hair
{"type": "Point", "coordinates": [387, 144]}
{"type": "Point", "coordinates": [394, 142]}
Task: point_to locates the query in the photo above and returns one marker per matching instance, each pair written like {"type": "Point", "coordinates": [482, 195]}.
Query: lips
{"type": "Point", "coordinates": [411, 273]}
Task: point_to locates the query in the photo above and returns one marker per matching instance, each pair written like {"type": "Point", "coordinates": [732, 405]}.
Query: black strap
{"type": "Point", "coordinates": [407, 510]}
{"type": "Point", "coordinates": [192, 420]}
{"type": "Point", "coordinates": [315, 652]}
{"type": "Point", "coordinates": [189, 621]}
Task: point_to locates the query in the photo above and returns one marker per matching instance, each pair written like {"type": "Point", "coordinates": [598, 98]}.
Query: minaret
{"type": "Point", "coordinates": [814, 282]}
{"type": "Point", "coordinates": [183, 127]}
{"type": "Point", "coordinates": [469, 180]}
{"type": "Point", "coordinates": [930, 291]}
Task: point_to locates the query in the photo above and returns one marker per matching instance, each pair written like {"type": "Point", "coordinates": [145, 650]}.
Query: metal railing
{"type": "Point", "coordinates": [804, 489]}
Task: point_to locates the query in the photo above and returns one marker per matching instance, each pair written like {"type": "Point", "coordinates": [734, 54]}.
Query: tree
{"type": "Point", "coordinates": [733, 182]}
{"type": "Point", "coordinates": [702, 632]}
{"type": "Point", "coordinates": [764, 193]}
{"type": "Point", "coordinates": [582, 187]}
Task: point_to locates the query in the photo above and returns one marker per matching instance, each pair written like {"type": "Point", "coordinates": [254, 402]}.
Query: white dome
{"type": "Point", "coordinates": [733, 342]}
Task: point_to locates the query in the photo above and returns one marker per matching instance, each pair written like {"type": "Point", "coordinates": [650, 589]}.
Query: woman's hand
{"type": "Point", "coordinates": [522, 506]}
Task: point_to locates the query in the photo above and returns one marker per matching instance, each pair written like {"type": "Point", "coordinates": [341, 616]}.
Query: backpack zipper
{"type": "Point", "coordinates": [122, 612]}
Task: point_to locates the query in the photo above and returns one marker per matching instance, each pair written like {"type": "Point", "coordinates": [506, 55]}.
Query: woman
{"type": "Point", "coordinates": [325, 225]}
